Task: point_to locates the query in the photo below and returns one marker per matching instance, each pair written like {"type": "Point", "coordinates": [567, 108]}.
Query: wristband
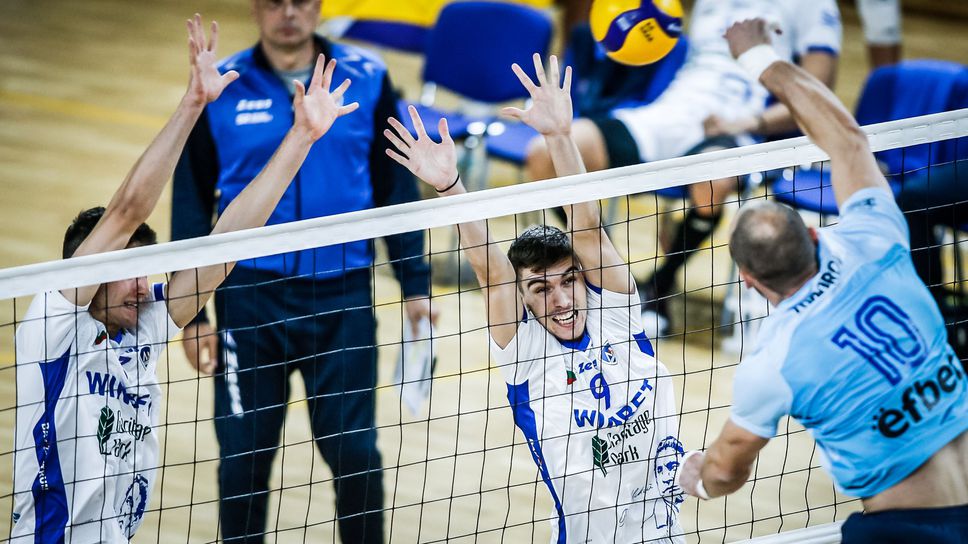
{"type": "Point", "coordinates": [757, 59]}
{"type": "Point", "coordinates": [449, 187]}
{"type": "Point", "coordinates": [701, 491]}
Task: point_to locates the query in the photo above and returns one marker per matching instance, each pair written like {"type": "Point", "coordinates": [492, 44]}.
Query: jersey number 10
{"type": "Point", "coordinates": [885, 336]}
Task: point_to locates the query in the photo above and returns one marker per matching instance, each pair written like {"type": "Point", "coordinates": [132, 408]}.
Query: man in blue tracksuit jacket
{"type": "Point", "coordinates": [310, 310]}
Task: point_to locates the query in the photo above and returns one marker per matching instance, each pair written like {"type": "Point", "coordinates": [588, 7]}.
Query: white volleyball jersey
{"type": "Point", "coordinates": [712, 82]}
{"type": "Point", "coordinates": [599, 417]}
{"type": "Point", "coordinates": [87, 410]}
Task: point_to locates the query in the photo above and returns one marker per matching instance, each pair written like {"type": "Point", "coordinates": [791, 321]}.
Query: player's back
{"type": "Point", "coordinates": [860, 356]}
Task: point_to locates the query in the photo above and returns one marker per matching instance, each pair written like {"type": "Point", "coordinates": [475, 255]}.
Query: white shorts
{"type": "Point", "coordinates": [673, 124]}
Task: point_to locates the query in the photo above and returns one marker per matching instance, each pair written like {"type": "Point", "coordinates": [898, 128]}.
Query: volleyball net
{"type": "Point", "coordinates": [453, 465]}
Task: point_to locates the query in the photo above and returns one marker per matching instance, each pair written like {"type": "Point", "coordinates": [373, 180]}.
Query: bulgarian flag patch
{"type": "Point", "coordinates": [571, 377]}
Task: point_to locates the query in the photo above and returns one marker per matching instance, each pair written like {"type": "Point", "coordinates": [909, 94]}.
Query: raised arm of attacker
{"type": "Point", "coordinates": [135, 199]}
{"type": "Point", "coordinates": [315, 111]}
{"type": "Point", "coordinates": [727, 463]}
{"type": "Point", "coordinates": [551, 115]}
{"type": "Point", "coordinates": [436, 164]}
{"type": "Point", "coordinates": [816, 110]}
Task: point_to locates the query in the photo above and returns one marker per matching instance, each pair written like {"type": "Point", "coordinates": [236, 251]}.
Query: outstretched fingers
{"type": "Point", "coordinates": [444, 131]}
{"type": "Point", "coordinates": [566, 84]}
{"type": "Point", "coordinates": [328, 73]}
{"type": "Point", "coordinates": [229, 77]}
{"type": "Point", "coordinates": [402, 131]}
{"type": "Point", "coordinates": [316, 80]}
{"type": "Point", "coordinates": [513, 113]}
{"type": "Point", "coordinates": [213, 40]}
{"type": "Point", "coordinates": [338, 91]}
{"type": "Point", "coordinates": [554, 73]}
{"type": "Point", "coordinates": [349, 108]}
{"type": "Point", "coordinates": [403, 161]}
{"type": "Point", "coordinates": [299, 95]}
{"type": "Point", "coordinates": [523, 78]}
{"type": "Point", "coordinates": [395, 140]}
{"type": "Point", "coordinates": [539, 71]}
{"type": "Point", "coordinates": [418, 125]}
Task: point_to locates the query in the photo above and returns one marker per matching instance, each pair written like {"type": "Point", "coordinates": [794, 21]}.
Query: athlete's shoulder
{"type": "Point", "coordinates": [240, 61]}
{"type": "Point", "coordinates": [353, 56]}
{"type": "Point", "coordinates": [773, 340]}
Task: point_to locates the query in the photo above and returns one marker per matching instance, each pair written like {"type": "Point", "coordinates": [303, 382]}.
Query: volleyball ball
{"type": "Point", "coordinates": [636, 32]}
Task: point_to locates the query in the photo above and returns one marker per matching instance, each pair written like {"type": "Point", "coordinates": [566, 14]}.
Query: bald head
{"type": "Point", "coordinates": [770, 242]}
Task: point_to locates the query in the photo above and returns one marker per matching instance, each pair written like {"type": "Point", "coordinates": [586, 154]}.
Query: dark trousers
{"type": "Point", "coordinates": [916, 526]}
{"type": "Point", "coordinates": [326, 330]}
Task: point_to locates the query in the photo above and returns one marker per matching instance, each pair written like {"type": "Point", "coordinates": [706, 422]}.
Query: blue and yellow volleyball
{"type": "Point", "coordinates": [636, 32]}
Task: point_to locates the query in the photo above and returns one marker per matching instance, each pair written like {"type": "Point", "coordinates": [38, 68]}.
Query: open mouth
{"type": "Point", "coordinates": [565, 319]}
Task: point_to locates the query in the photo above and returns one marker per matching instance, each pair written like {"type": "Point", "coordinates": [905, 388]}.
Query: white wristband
{"type": "Point", "coordinates": [756, 60]}
{"type": "Point", "coordinates": [701, 491]}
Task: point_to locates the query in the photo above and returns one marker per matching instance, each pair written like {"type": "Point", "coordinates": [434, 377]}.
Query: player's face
{"type": "Point", "coordinates": [557, 296]}
{"type": "Point", "coordinates": [117, 303]}
{"type": "Point", "coordinates": [286, 24]}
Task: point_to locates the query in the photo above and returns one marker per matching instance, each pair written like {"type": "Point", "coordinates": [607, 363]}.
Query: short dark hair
{"type": "Point", "coordinates": [771, 242]}
{"type": "Point", "coordinates": [83, 224]}
{"type": "Point", "coordinates": [539, 247]}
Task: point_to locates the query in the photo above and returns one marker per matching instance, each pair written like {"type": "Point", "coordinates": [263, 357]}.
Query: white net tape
{"type": "Point", "coordinates": [427, 214]}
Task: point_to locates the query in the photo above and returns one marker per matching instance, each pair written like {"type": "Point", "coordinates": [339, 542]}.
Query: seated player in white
{"type": "Point", "coordinates": [711, 104]}
{"type": "Point", "coordinates": [88, 396]}
{"type": "Point", "coordinates": [855, 349]}
{"type": "Point", "coordinates": [565, 327]}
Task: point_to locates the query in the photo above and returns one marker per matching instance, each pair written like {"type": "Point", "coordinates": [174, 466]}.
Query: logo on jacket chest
{"type": "Point", "coordinates": [253, 112]}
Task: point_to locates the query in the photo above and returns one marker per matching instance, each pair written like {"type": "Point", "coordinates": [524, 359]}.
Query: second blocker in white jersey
{"type": "Point", "coordinates": [87, 416]}
{"type": "Point", "coordinates": [599, 417]}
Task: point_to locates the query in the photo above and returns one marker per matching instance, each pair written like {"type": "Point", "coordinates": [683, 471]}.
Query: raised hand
{"type": "Point", "coordinates": [550, 112]}
{"type": "Point", "coordinates": [317, 108]}
{"type": "Point", "coordinates": [205, 83]}
{"type": "Point", "coordinates": [434, 163]}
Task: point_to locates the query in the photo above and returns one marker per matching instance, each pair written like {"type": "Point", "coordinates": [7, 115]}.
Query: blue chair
{"type": "Point", "coordinates": [469, 52]}
{"type": "Point", "coordinates": [907, 89]}
{"type": "Point", "coordinates": [406, 37]}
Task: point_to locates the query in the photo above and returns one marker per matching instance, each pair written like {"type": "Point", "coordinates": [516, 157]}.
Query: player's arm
{"type": "Point", "coordinates": [135, 199]}
{"type": "Point", "coordinates": [551, 115]}
{"type": "Point", "coordinates": [315, 111]}
{"type": "Point", "coordinates": [725, 466]}
{"type": "Point", "coordinates": [436, 165]}
{"type": "Point", "coordinates": [776, 119]}
{"type": "Point", "coordinates": [816, 110]}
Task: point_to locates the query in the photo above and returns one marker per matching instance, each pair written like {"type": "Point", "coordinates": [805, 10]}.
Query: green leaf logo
{"type": "Point", "coordinates": [600, 451]}
{"type": "Point", "coordinates": [105, 426]}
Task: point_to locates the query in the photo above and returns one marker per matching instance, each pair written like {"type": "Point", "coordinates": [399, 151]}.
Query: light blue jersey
{"type": "Point", "coordinates": [859, 355]}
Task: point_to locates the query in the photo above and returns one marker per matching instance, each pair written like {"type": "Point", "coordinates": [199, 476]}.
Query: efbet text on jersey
{"type": "Point", "coordinates": [919, 399]}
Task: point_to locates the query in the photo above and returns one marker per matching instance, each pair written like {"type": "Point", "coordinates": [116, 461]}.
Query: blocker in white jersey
{"type": "Point", "coordinates": [565, 327]}
{"type": "Point", "coordinates": [87, 414]}
{"type": "Point", "coordinates": [599, 417]}
{"type": "Point", "coordinates": [711, 83]}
